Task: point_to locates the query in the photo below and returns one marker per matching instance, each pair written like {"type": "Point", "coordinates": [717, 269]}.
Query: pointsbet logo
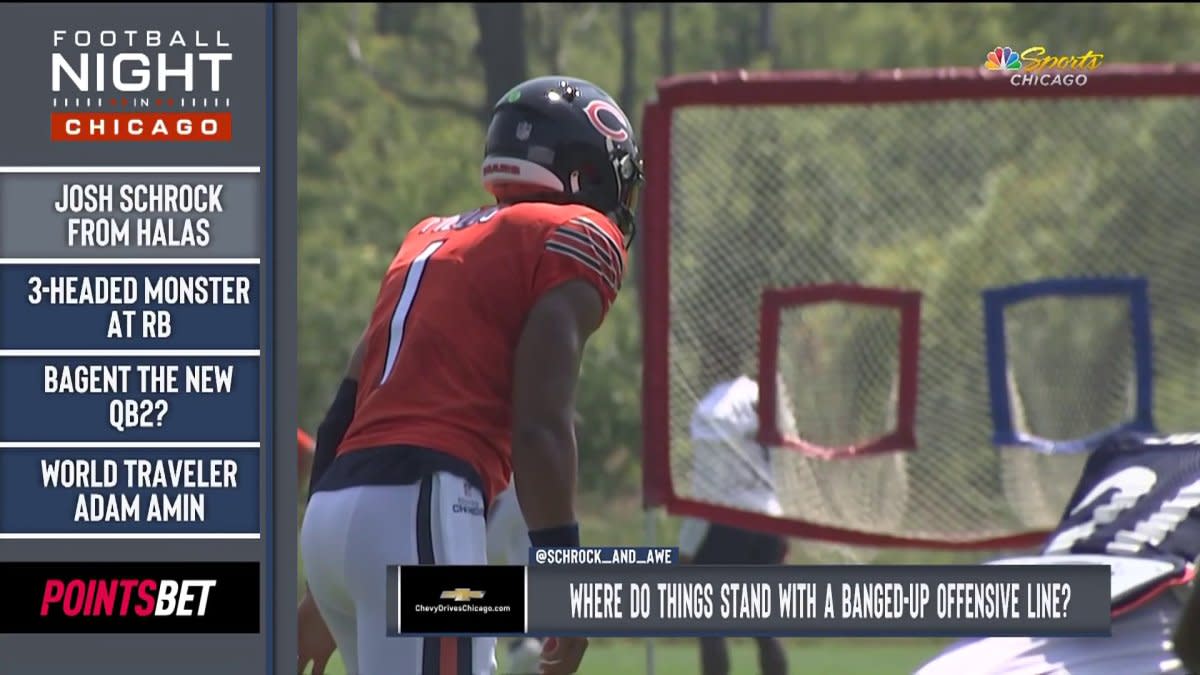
{"type": "Point", "coordinates": [131, 597]}
{"type": "Point", "coordinates": [126, 597]}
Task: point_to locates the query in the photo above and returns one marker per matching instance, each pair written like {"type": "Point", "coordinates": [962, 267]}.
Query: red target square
{"type": "Point", "coordinates": [857, 394]}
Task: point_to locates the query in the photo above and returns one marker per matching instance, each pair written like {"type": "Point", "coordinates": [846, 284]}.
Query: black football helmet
{"type": "Point", "coordinates": [566, 139]}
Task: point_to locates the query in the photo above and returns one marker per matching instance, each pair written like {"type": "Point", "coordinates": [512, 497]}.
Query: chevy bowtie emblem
{"type": "Point", "coordinates": [462, 595]}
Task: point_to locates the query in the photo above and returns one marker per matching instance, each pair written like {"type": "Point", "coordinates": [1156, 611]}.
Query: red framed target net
{"type": "Point", "coordinates": [830, 236]}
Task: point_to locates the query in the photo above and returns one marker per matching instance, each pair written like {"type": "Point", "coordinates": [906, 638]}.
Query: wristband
{"type": "Point", "coordinates": [563, 536]}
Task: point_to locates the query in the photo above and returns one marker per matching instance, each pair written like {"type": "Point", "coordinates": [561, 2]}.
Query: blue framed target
{"type": "Point", "coordinates": [1069, 361]}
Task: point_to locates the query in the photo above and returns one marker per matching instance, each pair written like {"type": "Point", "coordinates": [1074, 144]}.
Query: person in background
{"type": "Point", "coordinates": [1136, 502]}
{"type": "Point", "coordinates": [732, 469]}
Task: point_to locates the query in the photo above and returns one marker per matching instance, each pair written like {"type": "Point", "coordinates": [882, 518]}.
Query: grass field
{"type": "Point", "coordinates": [806, 657]}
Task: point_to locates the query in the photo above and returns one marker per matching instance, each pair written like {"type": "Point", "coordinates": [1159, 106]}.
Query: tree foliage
{"type": "Point", "coordinates": [393, 100]}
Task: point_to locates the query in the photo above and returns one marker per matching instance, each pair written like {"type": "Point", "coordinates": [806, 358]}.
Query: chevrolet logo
{"type": "Point", "coordinates": [462, 595]}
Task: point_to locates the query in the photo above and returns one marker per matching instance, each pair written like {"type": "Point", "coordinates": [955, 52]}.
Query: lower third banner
{"type": "Point", "coordinates": [784, 601]}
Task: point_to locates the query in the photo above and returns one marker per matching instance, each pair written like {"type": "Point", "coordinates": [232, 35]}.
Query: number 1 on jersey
{"type": "Point", "coordinates": [412, 282]}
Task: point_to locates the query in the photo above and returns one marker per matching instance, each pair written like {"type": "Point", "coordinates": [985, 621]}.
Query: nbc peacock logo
{"type": "Point", "coordinates": [1003, 58]}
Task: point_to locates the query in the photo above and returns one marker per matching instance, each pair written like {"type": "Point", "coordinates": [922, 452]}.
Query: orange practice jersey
{"type": "Point", "coordinates": [438, 366]}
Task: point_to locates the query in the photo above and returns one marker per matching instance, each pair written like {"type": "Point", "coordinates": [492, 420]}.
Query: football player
{"type": "Point", "coordinates": [466, 375]}
{"type": "Point", "coordinates": [1134, 509]}
{"type": "Point", "coordinates": [731, 468]}
{"type": "Point", "coordinates": [508, 544]}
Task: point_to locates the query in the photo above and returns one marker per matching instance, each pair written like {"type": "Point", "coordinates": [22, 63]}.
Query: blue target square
{"type": "Point", "coordinates": [1004, 410]}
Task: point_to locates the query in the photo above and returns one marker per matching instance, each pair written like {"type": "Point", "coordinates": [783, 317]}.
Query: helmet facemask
{"type": "Point", "coordinates": [630, 178]}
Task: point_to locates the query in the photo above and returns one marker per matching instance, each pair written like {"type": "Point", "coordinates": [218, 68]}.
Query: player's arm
{"type": "Point", "coordinates": [576, 279]}
{"type": "Point", "coordinates": [546, 371]}
{"type": "Point", "coordinates": [1187, 633]}
{"type": "Point", "coordinates": [337, 417]}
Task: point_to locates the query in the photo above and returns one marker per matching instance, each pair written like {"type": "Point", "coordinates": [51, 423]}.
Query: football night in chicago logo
{"type": "Point", "coordinates": [139, 85]}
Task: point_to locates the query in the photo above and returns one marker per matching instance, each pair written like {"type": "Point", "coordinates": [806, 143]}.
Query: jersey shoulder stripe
{"type": "Point", "coordinates": [583, 241]}
{"type": "Point", "coordinates": [611, 246]}
{"type": "Point", "coordinates": [588, 244]}
{"type": "Point", "coordinates": [585, 259]}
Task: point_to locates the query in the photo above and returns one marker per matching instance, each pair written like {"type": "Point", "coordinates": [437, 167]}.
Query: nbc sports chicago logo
{"type": "Point", "coordinates": [1034, 67]}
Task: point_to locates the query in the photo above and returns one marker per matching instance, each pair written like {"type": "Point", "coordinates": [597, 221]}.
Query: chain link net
{"type": "Point", "coordinates": [839, 364]}
{"type": "Point", "coordinates": [948, 198]}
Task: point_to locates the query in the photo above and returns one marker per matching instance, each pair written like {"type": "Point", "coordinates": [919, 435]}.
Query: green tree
{"type": "Point", "coordinates": [948, 199]}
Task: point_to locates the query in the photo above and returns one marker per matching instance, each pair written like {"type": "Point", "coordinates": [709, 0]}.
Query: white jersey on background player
{"type": "Point", "coordinates": [1135, 509]}
{"type": "Point", "coordinates": [729, 467]}
{"type": "Point", "coordinates": [732, 469]}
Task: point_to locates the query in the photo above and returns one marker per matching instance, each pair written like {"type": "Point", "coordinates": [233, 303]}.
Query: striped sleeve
{"type": "Point", "coordinates": [583, 248]}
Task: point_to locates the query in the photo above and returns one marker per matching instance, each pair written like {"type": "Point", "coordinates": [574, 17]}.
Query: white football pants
{"type": "Point", "coordinates": [508, 537]}
{"type": "Point", "coordinates": [348, 539]}
{"type": "Point", "coordinates": [1140, 645]}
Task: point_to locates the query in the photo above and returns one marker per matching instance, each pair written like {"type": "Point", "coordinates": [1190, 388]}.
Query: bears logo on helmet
{"type": "Point", "coordinates": [620, 133]}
